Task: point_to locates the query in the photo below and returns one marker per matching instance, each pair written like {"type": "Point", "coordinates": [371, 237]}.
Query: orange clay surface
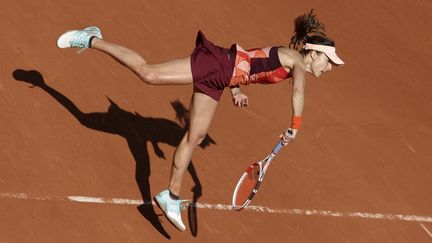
{"type": "Point", "coordinates": [90, 128]}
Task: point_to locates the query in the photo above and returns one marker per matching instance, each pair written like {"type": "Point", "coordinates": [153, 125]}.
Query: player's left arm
{"type": "Point", "coordinates": [292, 60]}
{"type": "Point", "coordinates": [299, 82]}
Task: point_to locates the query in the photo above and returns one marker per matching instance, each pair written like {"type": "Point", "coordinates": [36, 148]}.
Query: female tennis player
{"type": "Point", "coordinates": [211, 69]}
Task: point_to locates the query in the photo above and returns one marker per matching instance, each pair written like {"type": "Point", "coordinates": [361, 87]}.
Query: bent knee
{"type": "Point", "coordinates": [147, 75]}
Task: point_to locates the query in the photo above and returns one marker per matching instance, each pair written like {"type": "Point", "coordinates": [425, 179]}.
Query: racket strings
{"type": "Point", "coordinates": [246, 186]}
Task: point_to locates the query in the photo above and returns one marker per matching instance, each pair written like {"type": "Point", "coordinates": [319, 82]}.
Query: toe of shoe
{"type": "Point", "coordinates": [180, 226]}
{"type": "Point", "coordinates": [64, 40]}
{"type": "Point", "coordinates": [177, 222]}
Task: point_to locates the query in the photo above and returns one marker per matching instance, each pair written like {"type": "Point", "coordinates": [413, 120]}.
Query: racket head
{"type": "Point", "coordinates": [246, 186]}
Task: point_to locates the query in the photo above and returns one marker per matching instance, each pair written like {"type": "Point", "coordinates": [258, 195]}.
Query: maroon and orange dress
{"type": "Point", "coordinates": [214, 67]}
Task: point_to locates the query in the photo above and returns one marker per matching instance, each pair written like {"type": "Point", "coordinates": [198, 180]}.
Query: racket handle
{"type": "Point", "coordinates": [278, 146]}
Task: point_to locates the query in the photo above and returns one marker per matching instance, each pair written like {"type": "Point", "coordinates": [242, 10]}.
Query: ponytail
{"type": "Point", "coordinates": [307, 28]}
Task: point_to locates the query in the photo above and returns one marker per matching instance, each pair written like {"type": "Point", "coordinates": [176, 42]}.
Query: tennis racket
{"type": "Point", "coordinates": [251, 179]}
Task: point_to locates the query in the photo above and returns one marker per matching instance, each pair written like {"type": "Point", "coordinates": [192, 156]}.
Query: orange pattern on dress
{"type": "Point", "coordinates": [242, 67]}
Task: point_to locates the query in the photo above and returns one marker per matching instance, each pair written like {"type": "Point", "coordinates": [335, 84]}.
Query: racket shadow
{"type": "Point", "coordinates": [137, 130]}
{"type": "Point", "coordinates": [192, 207]}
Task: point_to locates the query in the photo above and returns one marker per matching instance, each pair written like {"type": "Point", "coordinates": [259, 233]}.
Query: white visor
{"type": "Point", "coordinates": [330, 51]}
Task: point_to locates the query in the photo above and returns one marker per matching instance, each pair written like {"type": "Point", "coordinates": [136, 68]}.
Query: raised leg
{"type": "Point", "coordinates": [177, 71]}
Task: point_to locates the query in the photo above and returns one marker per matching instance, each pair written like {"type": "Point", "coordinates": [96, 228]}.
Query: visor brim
{"type": "Point", "coordinates": [335, 59]}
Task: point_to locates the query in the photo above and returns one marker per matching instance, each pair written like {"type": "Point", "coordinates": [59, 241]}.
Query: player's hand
{"type": "Point", "coordinates": [288, 136]}
{"type": "Point", "coordinates": [240, 99]}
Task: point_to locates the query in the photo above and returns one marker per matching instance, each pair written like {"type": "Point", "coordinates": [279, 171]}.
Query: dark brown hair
{"type": "Point", "coordinates": [308, 29]}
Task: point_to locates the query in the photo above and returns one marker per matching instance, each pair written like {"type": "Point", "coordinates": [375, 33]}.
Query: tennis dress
{"type": "Point", "coordinates": [215, 68]}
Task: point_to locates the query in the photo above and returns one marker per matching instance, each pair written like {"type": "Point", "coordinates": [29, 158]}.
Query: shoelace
{"type": "Point", "coordinates": [79, 41]}
{"type": "Point", "coordinates": [180, 205]}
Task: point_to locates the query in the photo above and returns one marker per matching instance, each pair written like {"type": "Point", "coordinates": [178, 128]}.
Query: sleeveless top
{"type": "Point", "coordinates": [260, 65]}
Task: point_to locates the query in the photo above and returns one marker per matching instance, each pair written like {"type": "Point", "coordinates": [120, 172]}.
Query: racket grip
{"type": "Point", "coordinates": [278, 146]}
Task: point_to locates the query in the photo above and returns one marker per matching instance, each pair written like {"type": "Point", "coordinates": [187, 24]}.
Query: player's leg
{"type": "Point", "coordinates": [177, 71]}
{"type": "Point", "coordinates": [202, 111]}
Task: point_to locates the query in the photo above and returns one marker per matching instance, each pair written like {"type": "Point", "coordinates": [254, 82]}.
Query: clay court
{"type": "Point", "coordinates": [85, 145]}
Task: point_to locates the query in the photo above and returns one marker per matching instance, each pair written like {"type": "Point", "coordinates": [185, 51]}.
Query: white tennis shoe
{"type": "Point", "coordinates": [78, 38]}
{"type": "Point", "coordinates": [171, 209]}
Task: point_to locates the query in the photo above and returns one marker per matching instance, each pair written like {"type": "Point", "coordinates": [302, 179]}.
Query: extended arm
{"type": "Point", "coordinates": [298, 91]}
{"type": "Point", "coordinates": [297, 104]}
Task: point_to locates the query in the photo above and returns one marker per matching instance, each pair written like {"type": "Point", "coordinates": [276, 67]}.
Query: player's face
{"type": "Point", "coordinates": [320, 64]}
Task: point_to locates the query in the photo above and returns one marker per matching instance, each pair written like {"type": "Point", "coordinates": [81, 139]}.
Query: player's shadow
{"type": "Point", "coordinates": [138, 131]}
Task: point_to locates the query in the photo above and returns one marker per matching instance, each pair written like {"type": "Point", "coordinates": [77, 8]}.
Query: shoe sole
{"type": "Point", "coordinates": [166, 216]}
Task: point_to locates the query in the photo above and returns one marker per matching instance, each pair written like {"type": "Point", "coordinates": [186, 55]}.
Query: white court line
{"type": "Point", "coordinates": [263, 209]}
{"type": "Point", "coordinates": [427, 231]}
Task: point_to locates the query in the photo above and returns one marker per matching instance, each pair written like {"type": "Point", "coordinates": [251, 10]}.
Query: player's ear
{"type": "Point", "coordinates": [313, 55]}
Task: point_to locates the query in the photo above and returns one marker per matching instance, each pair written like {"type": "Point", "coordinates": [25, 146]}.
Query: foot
{"type": "Point", "coordinates": [171, 209]}
{"type": "Point", "coordinates": [78, 38]}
